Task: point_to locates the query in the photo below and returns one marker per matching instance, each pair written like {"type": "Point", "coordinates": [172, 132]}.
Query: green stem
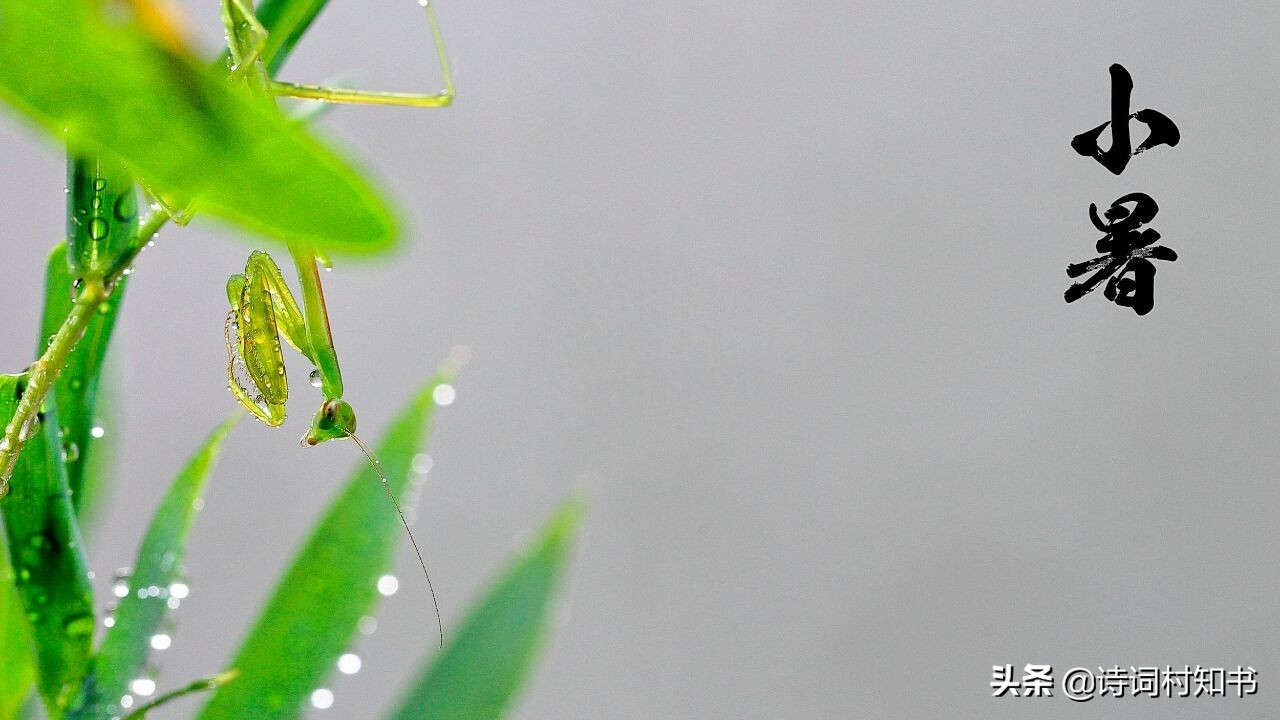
{"type": "Point", "coordinates": [44, 372]}
{"type": "Point", "coordinates": [209, 683]}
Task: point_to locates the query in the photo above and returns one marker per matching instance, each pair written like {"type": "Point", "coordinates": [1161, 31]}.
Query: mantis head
{"type": "Point", "coordinates": [335, 420]}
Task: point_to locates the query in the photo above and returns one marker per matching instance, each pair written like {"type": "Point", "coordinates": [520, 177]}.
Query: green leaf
{"type": "Point", "coordinates": [19, 674]}
{"type": "Point", "coordinates": [76, 389]}
{"type": "Point", "coordinates": [179, 126]}
{"type": "Point", "coordinates": [313, 614]}
{"type": "Point", "coordinates": [46, 552]}
{"type": "Point", "coordinates": [125, 646]}
{"type": "Point", "coordinates": [479, 674]}
{"type": "Point", "coordinates": [286, 21]}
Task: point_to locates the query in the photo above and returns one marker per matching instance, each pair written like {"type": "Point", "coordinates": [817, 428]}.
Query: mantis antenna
{"type": "Point", "coordinates": [377, 467]}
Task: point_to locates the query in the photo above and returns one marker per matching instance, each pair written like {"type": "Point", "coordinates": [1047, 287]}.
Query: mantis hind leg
{"type": "Point", "coordinates": [443, 98]}
{"type": "Point", "coordinates": [246, 37]}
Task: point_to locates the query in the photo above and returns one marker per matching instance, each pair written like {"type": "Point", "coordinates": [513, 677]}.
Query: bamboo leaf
{"type": "Point", "coordinates": [76, 389]}
{"type": "Point", "coordinates": [46, 552]}
{"type": "Point", "coordinates": [480, 672]}
{"type": "Point", "coordinates": [179, 126]}
{"type": "Point", "coordinates": [314, 611]}
{"type": "Point", "coordinates": [126, 644]}
{"type": "Point", "coordinates": [19, 674]}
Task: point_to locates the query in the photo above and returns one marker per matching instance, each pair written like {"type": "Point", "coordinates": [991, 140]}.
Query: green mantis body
{"type": "Point", "coordinates": [263, 309]}
{"type": "Point", "coordinates": [263, 312]}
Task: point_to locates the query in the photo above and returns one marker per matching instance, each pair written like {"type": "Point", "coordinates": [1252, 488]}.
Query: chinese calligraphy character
{"type": "Point", "coordinates": [1163, 131]}
{"type": "Point", "coordinates": [1132, 275]}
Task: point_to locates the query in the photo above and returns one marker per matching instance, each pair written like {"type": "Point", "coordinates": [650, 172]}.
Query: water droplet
{"type": "Point", "coordinates": [315, 379]}
{"type": "Point", "coordinates": [179, 590]}
{"type": "Point", "coordinates": [126, 207]}
{"type": "Point", "coordinates": [367, 625]}
{"type": "Point", "coordinates": [97, 431]}
{"type": "Point", "coordinates": [51, 339]}
{"type": "Point", "coordinates": [104, 308]}
{"type": "Point", "coordinates": [28, 430]}
{"type": "Point", "coordinates": [99, 184]}
{"type": "Point", "coordinates": [422, 463]}
{"type": "Point", "coordinates": [349, 664]}
{"type": "Point", "coordinates": [143, 686]}
{"type": "Point", "coordinates": [70, 452]}
{"type": "Point", "coordinates": [388, 585]}
{"type": "Point", "coordinates": [173, 603]}
{"type": "Point", "coordinates": [78, 626]}
{"type": "Point", "coordinates": [161, 641]}
{"type": "Point", "coordinates": [322, 699]}
{"type": "Point", "coordinates": [98, 229]}
{"type": "Point", "coordinates": [109, 621]}
{"type": "Point", "coordinates": [76, 384]}
{"type": "Point", "coordinates": [127, 271]}
{"type": "Point", "coordinates": [126, 702]}
{"type": "Point", "coordinates": [460, 354]}
{"type": "Point", "coordinates": [95, 203]}
{"type": "Point", "coordinates": [444, 394]}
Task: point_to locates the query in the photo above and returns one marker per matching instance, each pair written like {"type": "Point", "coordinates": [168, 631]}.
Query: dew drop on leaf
{"type": "Point", "coordinates": [98, 229]}
{"type": "Point", "coordinates": [78, 626]}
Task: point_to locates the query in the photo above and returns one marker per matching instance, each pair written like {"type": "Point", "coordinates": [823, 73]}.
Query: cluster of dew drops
{"type": "Point", "coordinates": [172, 595]}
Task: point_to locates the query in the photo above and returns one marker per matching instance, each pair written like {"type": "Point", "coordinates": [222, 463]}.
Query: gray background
{"type": "Point", "coordinates": [780, 285]}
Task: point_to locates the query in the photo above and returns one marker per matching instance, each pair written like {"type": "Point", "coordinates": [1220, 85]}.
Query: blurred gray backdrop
{"type": "Point", "coordinates": [780, 285]}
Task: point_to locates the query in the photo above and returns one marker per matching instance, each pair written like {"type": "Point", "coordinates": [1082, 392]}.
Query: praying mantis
{"type": "Point", "coordinates": [263, 308]}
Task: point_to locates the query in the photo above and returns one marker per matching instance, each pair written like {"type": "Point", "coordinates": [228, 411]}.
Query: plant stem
{"type": "Point", "coordinates": [209, 683]}
{"type": "Point", "coordinates": [44, 372]}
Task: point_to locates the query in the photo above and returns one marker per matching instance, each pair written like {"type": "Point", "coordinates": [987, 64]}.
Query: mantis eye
{"type": "Point", "coordinates": [334, 420]}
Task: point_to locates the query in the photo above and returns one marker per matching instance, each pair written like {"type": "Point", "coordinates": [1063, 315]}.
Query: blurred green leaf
{"type": "Point", "coordinates": [126, 644]}
{"type": "Point", "coordinates": [45, 550]}
{"type": "Point", "coordinates": [179, 126]}
{"type": "Point", "coordinates": [312, 616]}
{"type": "Point", "coordinates": [479, 674]}
{"type": "Point", "coordinates": [77, 387]}
{"type": "Point", "coordinates": [18, 676]}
